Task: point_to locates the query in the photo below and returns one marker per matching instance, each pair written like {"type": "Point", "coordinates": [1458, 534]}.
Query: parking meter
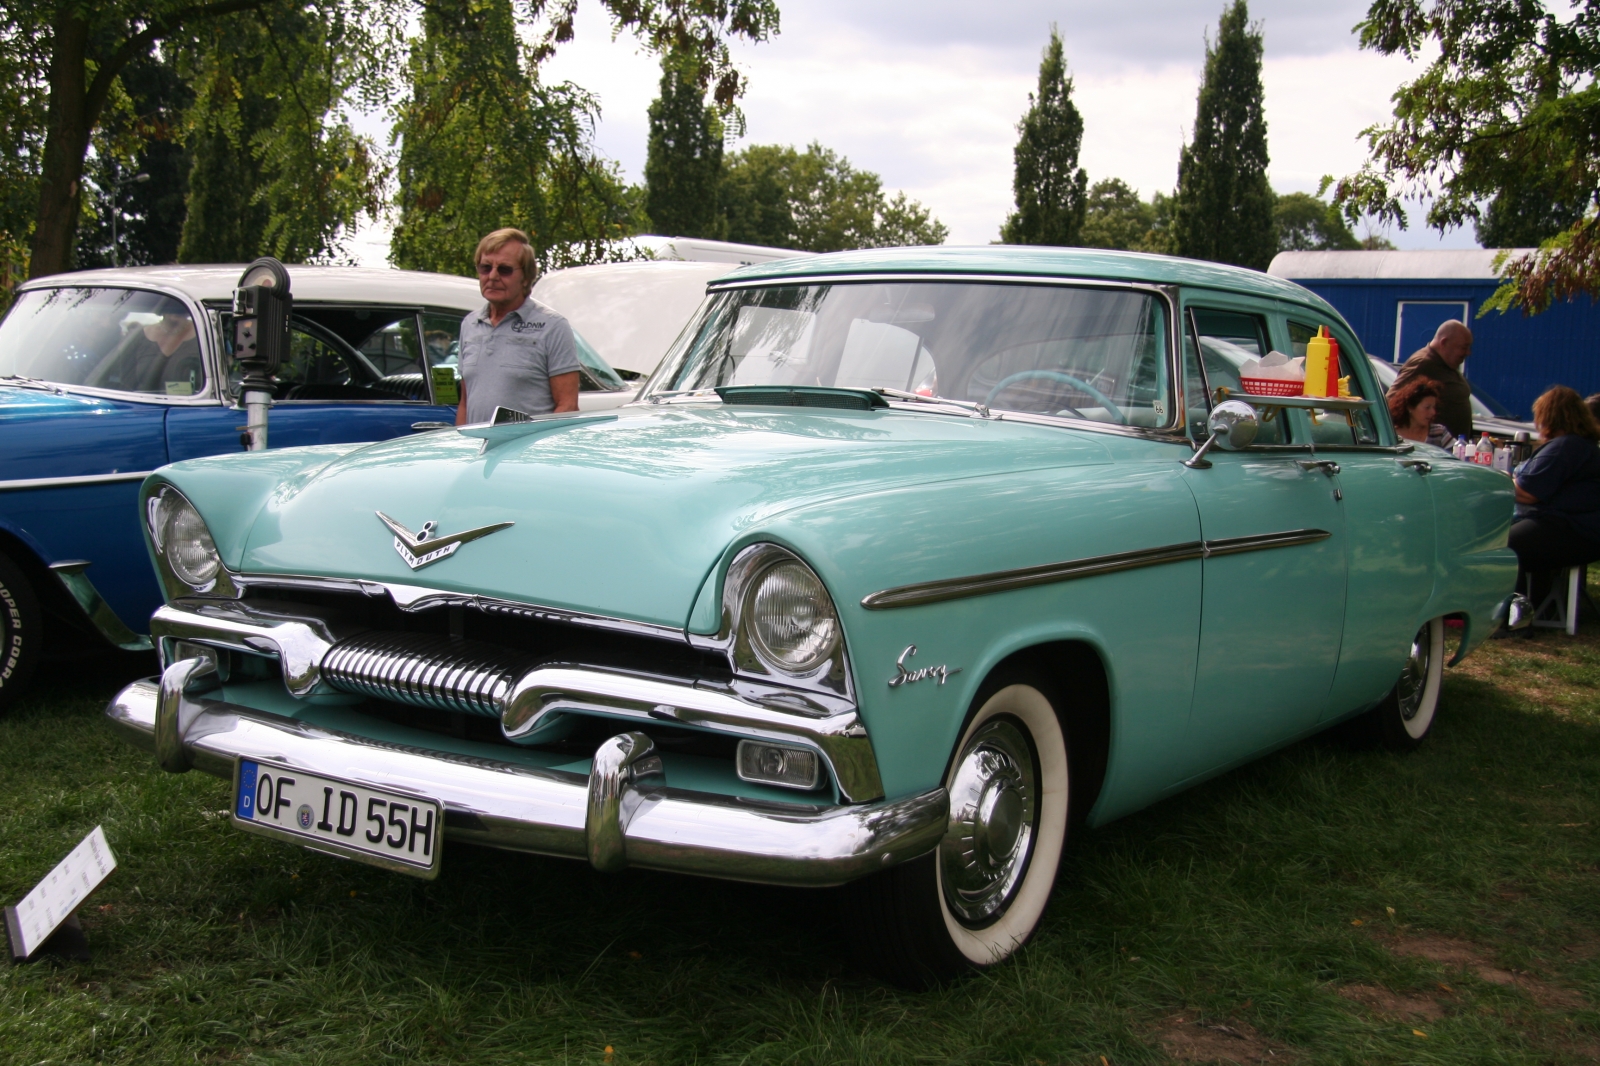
{"type": "Point", "coordinates": [261, 306]}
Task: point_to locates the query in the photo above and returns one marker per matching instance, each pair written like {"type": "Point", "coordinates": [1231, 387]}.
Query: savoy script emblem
{"type": "Point", "coordinates": [905, 677]}
{"type": "Point", "coordinates": [420, 549]}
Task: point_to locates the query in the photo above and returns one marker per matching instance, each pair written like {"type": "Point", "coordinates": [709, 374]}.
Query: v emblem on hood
{"type": "Point", "coordinates": [420, 549]}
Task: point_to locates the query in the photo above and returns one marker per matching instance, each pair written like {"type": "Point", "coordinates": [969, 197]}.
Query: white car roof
{"type": "Point", "coordinates": [325, 284]}
{"type": "Point", "coordinates": [630, 312]}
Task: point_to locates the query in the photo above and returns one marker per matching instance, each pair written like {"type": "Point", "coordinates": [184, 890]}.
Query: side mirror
{"type": "Point", "coordinates": [1233, 425]}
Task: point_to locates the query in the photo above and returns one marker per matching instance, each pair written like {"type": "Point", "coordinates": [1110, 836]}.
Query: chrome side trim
{"type": "Point", "coordinates": [85, 479]}
{"type": "Point", "coordinates": [519, 808]}
{"type": "Point", "coordinates": [70, 572]}
{"type": "Point", "coordinates": [954, 588]}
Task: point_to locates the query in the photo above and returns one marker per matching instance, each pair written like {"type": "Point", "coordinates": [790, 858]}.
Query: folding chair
{"type": "Point", "coordinates": [1560, 607]}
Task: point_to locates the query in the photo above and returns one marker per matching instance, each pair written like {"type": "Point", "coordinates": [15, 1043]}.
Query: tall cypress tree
{"type": "Point", "coordinates": [1223, 205]}
{"type": "Point", "coordinates": [684, 161]}
{"type": "Point", "coordinates": [1051, 189]}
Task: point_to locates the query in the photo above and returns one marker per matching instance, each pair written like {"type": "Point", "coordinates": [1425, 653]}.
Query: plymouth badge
{"type": "Point", "coordinates": [420, 549]}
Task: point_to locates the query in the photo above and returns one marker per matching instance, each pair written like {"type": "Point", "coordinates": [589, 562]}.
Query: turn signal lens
{"type": "Point", "coordinates": [775, 764]}
{"type": "Point", "coordinates": [791, 619]}
{"type": "Point", "coordinates": [181, 536]}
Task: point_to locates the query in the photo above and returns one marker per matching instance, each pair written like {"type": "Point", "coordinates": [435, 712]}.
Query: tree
{"type": "Point", "coordinates": [278, 169]}
{"type": "Point", "coordinates": [24, 100]}
{"type": "Point", "coordinates": [485, 143]}
{"type": "Point", "coordinates": [1307, 224]}
{"type": "Point", "coordinates": [88, 46]}
{"type": "Point", "coordinates": [684, 158]}
{"type": "Point", "coordinates": [1507, 114]}
{"type": "Point", "coordinates": [816, 201]}
{"type": "Point", "coordinates": [1116, 217]}
{"type": "Point", "coordinates": [1049, 186]}
{"type": "Point", "coordinates": [1222, 209]}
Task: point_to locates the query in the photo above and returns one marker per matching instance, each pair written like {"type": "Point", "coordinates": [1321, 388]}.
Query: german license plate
{"type": "Point", "coordinates": [390, 829]}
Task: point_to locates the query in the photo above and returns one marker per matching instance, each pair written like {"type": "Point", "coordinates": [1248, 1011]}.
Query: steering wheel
{"type": "Point", "coordinates": [1067, 379]}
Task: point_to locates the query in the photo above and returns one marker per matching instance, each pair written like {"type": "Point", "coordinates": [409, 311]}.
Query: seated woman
{"type": "Point", "coordinates": [1412, 406]}
{"type": "Point", "coordinates": [1558, 493]}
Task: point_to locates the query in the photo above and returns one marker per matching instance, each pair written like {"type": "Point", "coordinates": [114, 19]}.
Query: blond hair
{"type": "Point", "coordinates": [498, 240]}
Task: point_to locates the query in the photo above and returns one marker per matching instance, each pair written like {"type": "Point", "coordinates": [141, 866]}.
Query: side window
{"type": "Point", "coordinates": [1226, 339]}
{"type": "Point", "coordinates": [321, 365]}
{"type": "Point", "coordinates": [1334, 427]}
{"type": "Point", "coordinates": [393, 348]}
{"type": "Point", "coordinates": [441, 345]}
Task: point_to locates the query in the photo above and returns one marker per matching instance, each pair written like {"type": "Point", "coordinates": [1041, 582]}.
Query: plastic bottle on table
{"type": "Point", "coordinates": [1459, 448]}
{"type": "Point", "coordinates": [1483, 454]}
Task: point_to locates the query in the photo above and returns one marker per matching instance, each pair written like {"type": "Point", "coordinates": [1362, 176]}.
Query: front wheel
{"type": "Point", "coordinates": [980, 895]}
{"type": "Point", "coordinates": [1402, 721]}
{"type": "Point", "coordinates": [21, 632]}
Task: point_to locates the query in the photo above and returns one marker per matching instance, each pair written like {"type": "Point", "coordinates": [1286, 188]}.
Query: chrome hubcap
{"type": "Point", "coordinates": [1414, 677]}
{"type": "Point", "coordinates": [993, 807]}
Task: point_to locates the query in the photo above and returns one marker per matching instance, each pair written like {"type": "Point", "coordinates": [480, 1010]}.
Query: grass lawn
{"type": "Point", "coordinates": [1321, 906]}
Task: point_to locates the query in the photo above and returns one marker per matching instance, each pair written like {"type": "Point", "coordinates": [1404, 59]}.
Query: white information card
{"type": "Point", "coordinates": [63, 890]}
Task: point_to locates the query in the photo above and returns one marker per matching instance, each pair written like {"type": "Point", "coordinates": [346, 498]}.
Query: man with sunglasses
{"type": "Point", "coordinates": [516, 352]}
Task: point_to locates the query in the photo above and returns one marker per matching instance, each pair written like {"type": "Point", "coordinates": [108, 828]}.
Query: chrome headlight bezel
{"type": "Point", "coordinates": [751, 652]}
{"type": "Point", "coordinates": [165, 508]}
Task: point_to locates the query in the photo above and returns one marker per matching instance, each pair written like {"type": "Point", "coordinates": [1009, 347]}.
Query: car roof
{"type": "Point", "coordinates": [325, 284]}
{"type": "Point", "coordinates": [1032, 260]}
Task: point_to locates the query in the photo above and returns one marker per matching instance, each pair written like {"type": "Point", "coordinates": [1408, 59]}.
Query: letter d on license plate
{"type": "Point", "coordinates": [389, 829]}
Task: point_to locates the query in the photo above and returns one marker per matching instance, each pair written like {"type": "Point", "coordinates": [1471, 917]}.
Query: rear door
{"type": "Point", "coordinates": [355, 373]}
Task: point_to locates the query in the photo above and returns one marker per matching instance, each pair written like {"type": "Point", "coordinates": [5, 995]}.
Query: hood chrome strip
{"type": "Point", "coordinates": [955, 588]}
{"type": "Point", "coordinates": [84, 479]}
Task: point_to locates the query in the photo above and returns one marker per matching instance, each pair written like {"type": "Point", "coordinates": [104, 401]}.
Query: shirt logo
{"type": "Point", "coordinates": [522, 325]}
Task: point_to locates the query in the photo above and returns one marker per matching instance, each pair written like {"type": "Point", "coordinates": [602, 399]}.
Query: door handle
{"type": "Point", "coordinates": [1421, 466]}
{"type": "Point", "coordinates": [1327, 466]}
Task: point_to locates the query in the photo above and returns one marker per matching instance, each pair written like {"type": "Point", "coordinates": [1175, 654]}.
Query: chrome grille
{"type": "Point", "coordinates": [444, 673]}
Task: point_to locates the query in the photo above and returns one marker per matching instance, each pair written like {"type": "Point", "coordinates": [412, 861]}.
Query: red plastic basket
{"type": "Point", "coordinates": [1272, 387]}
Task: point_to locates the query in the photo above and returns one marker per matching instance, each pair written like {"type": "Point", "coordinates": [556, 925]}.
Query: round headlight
{"type": "Point", "coordinates": [791, 619]}
{"type": "Point", "coordinates": [184, 541]}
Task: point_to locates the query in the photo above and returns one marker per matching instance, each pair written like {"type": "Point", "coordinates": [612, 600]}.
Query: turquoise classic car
{"type": "Point", "coordinates": [904, 565]}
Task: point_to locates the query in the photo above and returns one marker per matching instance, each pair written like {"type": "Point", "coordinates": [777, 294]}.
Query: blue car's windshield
{"type": "Point", "coordinates": [124, 339]}
{"type": "Point", "coordinates": [1077, 352]}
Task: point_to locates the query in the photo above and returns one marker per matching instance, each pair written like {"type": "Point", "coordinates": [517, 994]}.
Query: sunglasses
{"type": "Point", "coordinates": [505, 270]}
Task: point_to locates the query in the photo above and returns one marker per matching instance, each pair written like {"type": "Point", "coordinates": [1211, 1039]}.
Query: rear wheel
{"type": "Point", "coordinates": [1404, 718]}
{"type": "Point", "coordinates": [21, 632]}
{"type": "Point", "coordinates": [980, 895]}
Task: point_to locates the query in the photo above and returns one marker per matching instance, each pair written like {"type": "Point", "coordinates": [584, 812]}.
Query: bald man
{"type": "Point", "coordinates": [1441, 362]}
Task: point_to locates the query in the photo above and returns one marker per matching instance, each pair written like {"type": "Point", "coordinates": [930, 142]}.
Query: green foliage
{"type": "Point", "coordinates": [24, 98]}
{"type": "Point", "coordinates": [1307, 224]}
{"type": "Point", "coordinates": [483, 144]}
{"type": "Point", "coordinates": [1116, 217]}
{"type": "Point", "coordinates": [277, 169]}
{"type": "Point", "coordinates": [1223, 205]}
{"type": "Point", "coordinates": [1507, 113]}
{"type": "Point", "coordinates": [684, 159]}
{"type": "Point", "coordinates": [1047, 182]}
{"type": "Point", "coordinates": [816, 201]}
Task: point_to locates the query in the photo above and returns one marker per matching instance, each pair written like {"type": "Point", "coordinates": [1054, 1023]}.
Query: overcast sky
{"type": "Point", "coordinates": [928, 93]}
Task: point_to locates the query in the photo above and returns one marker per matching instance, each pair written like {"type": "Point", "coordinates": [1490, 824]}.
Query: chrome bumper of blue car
{"type": "Point", "coordinates": [616, 817]}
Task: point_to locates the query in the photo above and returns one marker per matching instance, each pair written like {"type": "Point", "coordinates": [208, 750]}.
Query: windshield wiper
{"type": "Point", "coordinates": [33, 383]}
{"type": "Point", "coordinates": [981, 410]}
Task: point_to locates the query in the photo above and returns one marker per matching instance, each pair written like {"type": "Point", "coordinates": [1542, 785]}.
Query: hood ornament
{"type": "Point", "coordinates": [420, 549]}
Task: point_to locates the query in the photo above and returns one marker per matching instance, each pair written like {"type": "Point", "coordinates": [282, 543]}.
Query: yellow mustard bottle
{"type": "Point", "coordinates": [1318, 354]}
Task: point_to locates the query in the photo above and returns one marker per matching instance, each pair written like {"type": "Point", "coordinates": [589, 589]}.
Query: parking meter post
{"type": "Point", "coordinates": [261, 307]}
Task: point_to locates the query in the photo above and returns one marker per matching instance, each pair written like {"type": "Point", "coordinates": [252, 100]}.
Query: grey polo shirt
{"type": "Point", "coordinates": [510, 365]}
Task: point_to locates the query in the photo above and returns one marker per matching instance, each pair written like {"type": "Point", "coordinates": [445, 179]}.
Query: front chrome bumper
{"type": "Point", "coordinates": [618, 816]}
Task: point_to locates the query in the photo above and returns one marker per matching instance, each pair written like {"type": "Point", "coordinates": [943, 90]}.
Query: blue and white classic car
{"type": "Point", "coordinates": [933, 556]}
{"type": "Point", "coordinates": [107, 374]}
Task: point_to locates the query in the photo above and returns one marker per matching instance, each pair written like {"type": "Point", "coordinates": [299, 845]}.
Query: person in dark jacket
{"type": "Point", "coordinates": [1441, 362]}
{"type": "Point", "coordinates": [1558, 493]}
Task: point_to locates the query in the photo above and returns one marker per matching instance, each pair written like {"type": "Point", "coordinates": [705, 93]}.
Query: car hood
{"type": "Point", "coordinates": [619, 513]}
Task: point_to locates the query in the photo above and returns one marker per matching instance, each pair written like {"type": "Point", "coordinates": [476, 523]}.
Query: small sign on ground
{"type": "Point", "coordinates": [54, 900]}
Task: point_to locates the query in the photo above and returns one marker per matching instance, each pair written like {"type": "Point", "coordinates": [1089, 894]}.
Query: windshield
{"type": "Point", "coordinates": [1098, 354]}
{"type": "Point", "coordinates": [124, 339]}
